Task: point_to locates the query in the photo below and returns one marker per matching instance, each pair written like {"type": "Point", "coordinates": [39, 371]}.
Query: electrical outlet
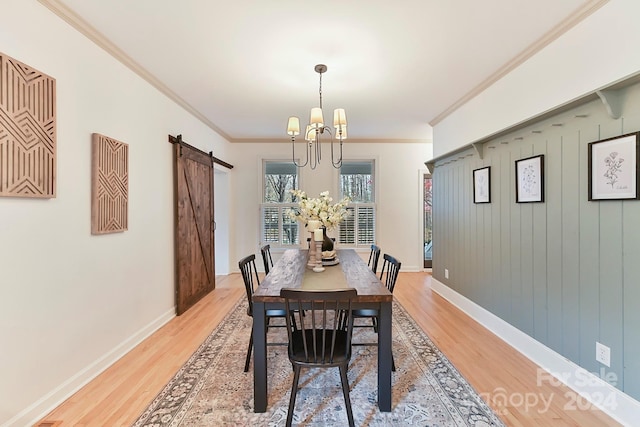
{"type": "Point", "coordinates": [603, 354]}
{"type": "Point", "coordinates": [446, 273]}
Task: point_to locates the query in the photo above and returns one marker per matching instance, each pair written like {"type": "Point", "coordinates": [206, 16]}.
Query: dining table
{"type": "Point", "coordinates": [349, 271]}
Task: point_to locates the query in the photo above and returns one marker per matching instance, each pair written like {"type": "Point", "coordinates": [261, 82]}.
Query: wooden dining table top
{"type": "Point", "coordinates": [291, 271]}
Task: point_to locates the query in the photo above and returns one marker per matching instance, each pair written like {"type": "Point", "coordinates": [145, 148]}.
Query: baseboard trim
{"type": "Point", "coordinates": [39, 409]}
{"type": "Point", "coordinates": [618, 405]}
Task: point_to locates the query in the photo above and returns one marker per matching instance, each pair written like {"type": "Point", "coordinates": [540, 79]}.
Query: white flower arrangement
{"type": "Point", "coordinates": [320, 209]}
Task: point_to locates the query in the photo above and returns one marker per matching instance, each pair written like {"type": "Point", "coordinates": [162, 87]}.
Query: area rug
{"type": "Point", "coordinates": [211, 388]}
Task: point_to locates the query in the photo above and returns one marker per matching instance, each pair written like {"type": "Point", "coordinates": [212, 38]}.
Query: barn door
{"type": "Point", "coordinates": [194, 238]}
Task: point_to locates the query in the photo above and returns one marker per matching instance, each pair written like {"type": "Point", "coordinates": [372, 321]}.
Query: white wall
{"type": "Point", "coordinates": [600, 50]}
{"type": "Point", "coordinates": [73, 302]}
{"type": "Point", "coordinates": [399, 215]}
{"type": "Point", "coordinates": [222, 201]}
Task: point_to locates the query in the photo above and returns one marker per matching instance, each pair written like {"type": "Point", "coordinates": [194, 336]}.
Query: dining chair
{"type": "Point", "coordinates": [266, 258]}
{"type": "Point", "coordinates": [374, 256]}
{"type": "Point", "coordinates": [388, 276]}
{"type": "Point", "coordinates": [319, 341]}
{"type": "Point", "coordinates": [249, 272]}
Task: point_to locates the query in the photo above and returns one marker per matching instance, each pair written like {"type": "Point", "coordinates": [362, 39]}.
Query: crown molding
{"type": "Point", "coordinates": [571, 21]}
{"type": "Point", "coordinates": [94, 35]}
{"type": "Point", "coordinates": [285, 140]}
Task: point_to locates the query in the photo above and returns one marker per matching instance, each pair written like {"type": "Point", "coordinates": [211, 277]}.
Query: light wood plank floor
{"type": "Point", "coordinates": [121, 393]}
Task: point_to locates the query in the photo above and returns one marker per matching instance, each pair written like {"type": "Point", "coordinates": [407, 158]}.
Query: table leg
{"type": "Point", "coordinates": [384, 357]}
{"type": "Point", "coordinates": [259, 357]}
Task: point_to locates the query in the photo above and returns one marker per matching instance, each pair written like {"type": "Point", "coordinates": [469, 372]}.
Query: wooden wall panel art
{"type": "Point", "coordinates": [27, 131]}
{"type": "Point", "coordinates": [109, 185]}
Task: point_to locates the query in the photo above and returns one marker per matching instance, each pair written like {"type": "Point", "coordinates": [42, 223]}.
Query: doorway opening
{"type": "Point", "coordinates": [427, 219]}
{"type": "Point", "coordinates": [222, 200]}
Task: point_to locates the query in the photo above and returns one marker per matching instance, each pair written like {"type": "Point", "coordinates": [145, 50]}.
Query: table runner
{"type": "Point", "coordinates": [331, 278]}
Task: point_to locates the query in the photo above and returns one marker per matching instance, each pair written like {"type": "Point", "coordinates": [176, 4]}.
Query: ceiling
{"type": "Point", "coordinates": [244, 66]}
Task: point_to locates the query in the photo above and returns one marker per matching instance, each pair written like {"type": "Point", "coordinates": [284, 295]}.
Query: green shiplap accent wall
{"type": "Point", "coordinates": [566, 271]}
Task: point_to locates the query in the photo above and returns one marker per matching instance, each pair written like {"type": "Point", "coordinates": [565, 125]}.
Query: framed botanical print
{"type": "Point", "coordinates": [613, 168]}
{"type": "Point", "coordinates": [530, 179]}
{"type": "Point", "coordinates": [482, 185]}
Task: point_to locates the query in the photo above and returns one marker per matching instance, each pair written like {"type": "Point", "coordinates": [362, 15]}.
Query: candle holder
{"type": "Point", "coordinates": [318, 268]}
{"type": "Point", "coordinates": [312, 253]}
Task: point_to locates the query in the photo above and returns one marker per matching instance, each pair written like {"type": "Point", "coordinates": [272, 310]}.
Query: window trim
{"type": "Point", "coordinates": [262, 205]}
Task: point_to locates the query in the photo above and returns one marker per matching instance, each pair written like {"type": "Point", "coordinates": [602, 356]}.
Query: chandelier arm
{"type": "Point", "coordinates": [336, 164]}
{"type": "Point", "coordinates": [314, 164]}
{"type": "Point", "coordinates": [293, 153]}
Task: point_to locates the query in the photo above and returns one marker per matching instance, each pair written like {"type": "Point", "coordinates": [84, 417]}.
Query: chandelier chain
{"type": "Point", "coordinates": [320, 90]}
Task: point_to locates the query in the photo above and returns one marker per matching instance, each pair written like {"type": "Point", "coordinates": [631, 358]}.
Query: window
{"type": "Point", "coordinates": [278, 229]}
{"type": "Point", "coordinates": [357, 182]}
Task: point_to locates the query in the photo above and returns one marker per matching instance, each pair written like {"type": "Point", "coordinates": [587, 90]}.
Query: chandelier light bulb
{"type": "Point", "coordinates": [339, 117]}
{"type": "Point", "coordinates": [316, 118]}
{"type": "Point", "coordinates": [310, 133]}
{"type": "Point", "coordinates": [293, 126]}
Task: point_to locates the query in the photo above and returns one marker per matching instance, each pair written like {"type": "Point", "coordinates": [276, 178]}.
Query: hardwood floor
{"type": "Point", "coordinates": [121, 393]}
{"type": "Point", "coordinates": [494, 368]}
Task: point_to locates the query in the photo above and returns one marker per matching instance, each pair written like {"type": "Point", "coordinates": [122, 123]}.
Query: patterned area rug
{"type": "Point", "coordinates": [211, 388]}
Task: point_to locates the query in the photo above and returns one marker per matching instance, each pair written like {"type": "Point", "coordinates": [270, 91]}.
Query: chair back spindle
{"type": "Point", "coordinates": [266, 258]}
{"type": "Point", "coordinates": [250, 278]}
{"type": "Point", "coordinates": [374, 256]}
{"type": "Point", "coordinates": [389, 273]}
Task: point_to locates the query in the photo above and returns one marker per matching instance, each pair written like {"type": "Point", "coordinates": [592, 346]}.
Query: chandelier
{"type": "Point", "coordinates": [316, 129]}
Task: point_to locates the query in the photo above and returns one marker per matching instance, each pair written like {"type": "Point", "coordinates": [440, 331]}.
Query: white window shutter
{"type": "Point", "coordinates": [348, 228]}
{"type": "Point", "coordinates": [270, 225]}
{"type": "Point", "coordinates": [366, 225]}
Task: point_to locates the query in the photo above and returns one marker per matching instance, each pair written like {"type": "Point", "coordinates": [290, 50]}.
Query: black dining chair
{"type": "Point", "coordinates": [388, 276]}
{"type": "Point", "coordinates": [266, 258]}
{"type": "Point", "coordinates": [374, 256]}
{"type": "Point", "coordinates": [320, 341]}
{"type": "Point", "coordinates": [247, 267]}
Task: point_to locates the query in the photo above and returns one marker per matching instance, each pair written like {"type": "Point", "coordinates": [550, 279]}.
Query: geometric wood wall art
{"type": "Point", "coordinates": [27, 131]}
{"type": "Point", "coordinates": [109, 185]}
